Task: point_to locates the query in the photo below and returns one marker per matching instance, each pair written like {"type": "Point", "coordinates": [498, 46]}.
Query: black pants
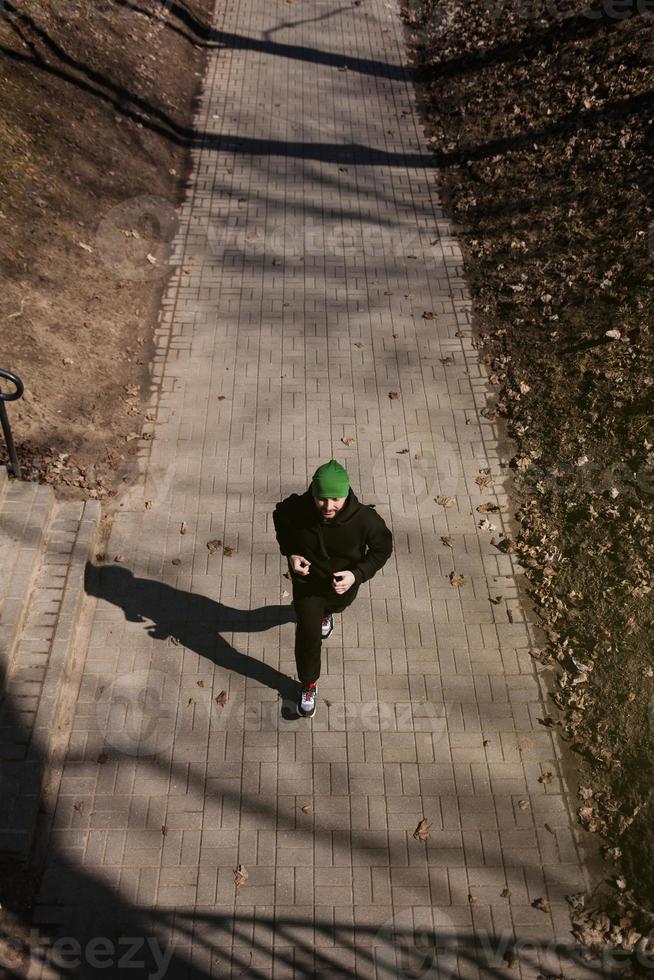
{"type": "Point", "coordinates": [310, 610]}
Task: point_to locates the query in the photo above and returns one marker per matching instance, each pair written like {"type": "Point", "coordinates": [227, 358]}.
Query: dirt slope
{"type": "Point", "coordinates": [96, 108]}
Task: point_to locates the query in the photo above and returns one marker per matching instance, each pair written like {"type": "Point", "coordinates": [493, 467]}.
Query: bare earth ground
{"type": "Point", "coordinates": [541, 120]}
{"type": "Point", "coordinates": [92, 164]}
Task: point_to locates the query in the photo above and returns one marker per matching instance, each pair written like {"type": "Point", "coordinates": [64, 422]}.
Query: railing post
{"type": "Point", "coordinates": [4, 419]}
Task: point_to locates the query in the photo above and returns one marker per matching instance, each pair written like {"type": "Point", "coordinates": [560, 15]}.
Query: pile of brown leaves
{"type": "Point", "coordinates": [540, 119]}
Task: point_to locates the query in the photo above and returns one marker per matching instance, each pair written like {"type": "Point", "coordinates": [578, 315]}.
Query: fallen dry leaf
{"type": "Point", "coordinates": [240, 875]}
{"type": "Point", "coordinates": [228, 551]}
{"type": "Point", "coordinates": [164, 830]}
{"type": "Point", "coordinates": [542, 904]}
{"type": "Point", "coordinates": [393, 394]}
{"type": "Point", "coordinates": [456, 580]}
{"type": "Point", "coordinates": [348, 440]}
{"type": "Point", "coordinates": [428, 315]}
{"type": "Point", "coordinates": [445, 501]}
{"type": "Point", "coordinates": [183, 527]}
{"type": "Point", "coordinates": [510, 958]}
{"type": "Point", "coordinates": [488, 507]}
{"type": "Point", "coordinates": [472, 899]}
{"type": "Point", "coordinates": [524, 804]}
{"type": "Point", "coordinates": [119, 558]}
{"type": "Point", "coordinates": [422, 831]}
{"type": "Point", "coordinates": [200, 683]}
{"type": "Point", "coordinates": [221, 699]}
{"type": "Point", "coordinates": [546, 778]}
{"type": "Point", "coordinates": [496, 600]}
{"type": "Point", "coordinates": [175, 640]}
{"type": "Point", "coordinates": [149, 504]}
{"type": "Point", "coordinates": [213, 546]}
{"type": "Point", "coordinates": [446, 539]}
{"type": "Point", "coordinates": [505, 893]}
{"type": "Point", "coordinates": [307, 808]}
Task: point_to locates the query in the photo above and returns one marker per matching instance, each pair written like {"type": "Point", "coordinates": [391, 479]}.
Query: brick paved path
{"type": "Point", "coordinates": [312, 242]}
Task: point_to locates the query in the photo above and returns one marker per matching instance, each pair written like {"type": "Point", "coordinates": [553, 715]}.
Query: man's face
{"type": "Point", "coordinates": [329, 506]}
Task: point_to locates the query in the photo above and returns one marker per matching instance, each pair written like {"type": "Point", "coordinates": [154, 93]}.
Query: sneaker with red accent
{"type": "Point", "coordinates": [306, 705]}
{"type": "Point", "coordinates": [327, 626]}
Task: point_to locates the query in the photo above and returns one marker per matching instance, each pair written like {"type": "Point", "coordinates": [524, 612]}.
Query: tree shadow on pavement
{"type": "Point", "coordinates": [195, 620]}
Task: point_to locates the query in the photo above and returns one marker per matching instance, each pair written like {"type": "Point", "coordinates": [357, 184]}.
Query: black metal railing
{"type": "Point", "coordinates": [10, 396]}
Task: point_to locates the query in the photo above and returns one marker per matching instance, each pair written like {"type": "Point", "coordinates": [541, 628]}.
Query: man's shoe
{"type": "Point", "coordinates": [307, 704]}
{"type": "Point", "coordinates": [327, 626]}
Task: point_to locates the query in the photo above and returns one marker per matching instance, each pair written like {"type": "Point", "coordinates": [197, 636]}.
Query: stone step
{"type": "Point", "coordinates": [4, 480]}
{"type": "Point", "coordinates": [36, 680]}
{"type": "Point", "coordinates": [25, 513]}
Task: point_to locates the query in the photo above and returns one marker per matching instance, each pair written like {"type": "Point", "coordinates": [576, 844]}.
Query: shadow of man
{"type": "Point", "coordinates": [195, 620]}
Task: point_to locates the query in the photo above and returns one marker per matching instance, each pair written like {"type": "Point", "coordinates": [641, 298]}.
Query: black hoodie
{"type": "Point", "coordinates": [356, 539]}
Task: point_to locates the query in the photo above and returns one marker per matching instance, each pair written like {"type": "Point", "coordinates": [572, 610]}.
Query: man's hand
{"type": "Point", "coordinates": [343, 581]}
{"type": "Point", "coordinates": [300, 565]}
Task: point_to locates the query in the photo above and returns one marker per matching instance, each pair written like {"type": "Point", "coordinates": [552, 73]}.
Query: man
{"type": "Point", "coordinates": [333, 544]}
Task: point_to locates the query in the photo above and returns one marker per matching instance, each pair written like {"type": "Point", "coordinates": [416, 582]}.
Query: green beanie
{"type": "Point", "coordinates": [330, 481]}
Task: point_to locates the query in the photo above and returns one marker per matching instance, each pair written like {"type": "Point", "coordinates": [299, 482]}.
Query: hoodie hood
{"type": "Point", "coordinates": [349, 509]}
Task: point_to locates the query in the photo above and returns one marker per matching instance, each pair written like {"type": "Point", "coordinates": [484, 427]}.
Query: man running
{"type": "Point", "coordinates": [333, 544]}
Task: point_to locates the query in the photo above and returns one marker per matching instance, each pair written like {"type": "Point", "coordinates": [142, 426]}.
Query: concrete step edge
{"type": "Point", "coordinates": [13, 609]}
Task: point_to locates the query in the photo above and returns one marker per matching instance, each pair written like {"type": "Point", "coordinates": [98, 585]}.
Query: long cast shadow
{"type": "Point", "coordinates": [296, 52]}
{"type": "Point", "coordinates": [352, 153]}
{"type": "Point", "coordinates": [195, 620]}
{"type": "Point", "coordinates": [356, 154]}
